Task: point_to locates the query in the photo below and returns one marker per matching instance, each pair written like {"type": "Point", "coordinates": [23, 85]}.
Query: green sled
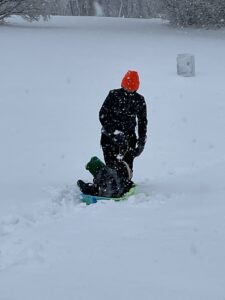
{"type": "Point", "coordinates": [89, 199]}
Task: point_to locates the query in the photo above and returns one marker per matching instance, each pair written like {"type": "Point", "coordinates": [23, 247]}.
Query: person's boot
{"type": "Point", "coordinates": [87, 188]}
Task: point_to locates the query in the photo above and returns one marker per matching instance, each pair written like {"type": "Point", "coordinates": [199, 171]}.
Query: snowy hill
{"type": "Point", "coordinates": [165, 243]}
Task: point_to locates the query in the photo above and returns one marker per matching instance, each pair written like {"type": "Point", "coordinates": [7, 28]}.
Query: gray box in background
{"type": "Point", "coordinates": [186, 65]}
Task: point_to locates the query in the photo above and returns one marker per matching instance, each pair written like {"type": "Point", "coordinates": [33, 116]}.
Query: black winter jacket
{"type": "Point", "coordinates": [122, 111]}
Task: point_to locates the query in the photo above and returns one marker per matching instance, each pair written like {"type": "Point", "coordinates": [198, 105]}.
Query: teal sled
{"type": "Point", "coordinates": [89, 199]}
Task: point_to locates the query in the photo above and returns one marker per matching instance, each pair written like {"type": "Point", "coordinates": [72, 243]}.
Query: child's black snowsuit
{"type": "Point", "coordinates": [109, 182]}
{"type": "Point", "coordinates": [119, 115]}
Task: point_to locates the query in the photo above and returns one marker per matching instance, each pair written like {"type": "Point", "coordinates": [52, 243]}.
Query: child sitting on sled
{"type": "Point", "coordinates": [111, 182]}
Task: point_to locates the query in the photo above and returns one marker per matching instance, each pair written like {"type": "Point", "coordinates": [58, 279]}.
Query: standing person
{"type": "Point", "coordinates": [121, 115]}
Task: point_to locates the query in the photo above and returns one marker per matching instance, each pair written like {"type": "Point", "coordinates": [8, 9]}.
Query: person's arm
{"type": "Point", "coordinates": [105, 115]}
{"type": "Point", "coordinates": [142, 127]}
{"type": "Point", "coordinates": [142, 121]}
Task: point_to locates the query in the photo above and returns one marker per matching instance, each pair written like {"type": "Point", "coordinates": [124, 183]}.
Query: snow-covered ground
{"type": "Point", "coordinates": [168, 241]}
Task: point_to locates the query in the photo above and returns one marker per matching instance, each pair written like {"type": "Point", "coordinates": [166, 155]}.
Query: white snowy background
{"type": "Point", "coordinates": [168, 241]}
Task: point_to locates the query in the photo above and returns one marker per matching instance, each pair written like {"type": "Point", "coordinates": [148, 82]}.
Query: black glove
{"type": "Point", "coordinates": [119, 138]}
{"type": "Point", "coordinates": [121, 141]}
{"type": "Point", "coordinates": [139, 148]}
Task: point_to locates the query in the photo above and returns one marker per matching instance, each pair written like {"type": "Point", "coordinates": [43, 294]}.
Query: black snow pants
{"type": "Point", "coordinates": [111, 150]}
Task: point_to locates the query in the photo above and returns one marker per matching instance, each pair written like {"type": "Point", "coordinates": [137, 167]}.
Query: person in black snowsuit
{"type": "Point", "coordinates": [122, 113]}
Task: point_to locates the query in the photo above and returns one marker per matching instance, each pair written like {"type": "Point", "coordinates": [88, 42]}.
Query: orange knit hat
{"type": "Point", "coordinates": [130, 81]}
